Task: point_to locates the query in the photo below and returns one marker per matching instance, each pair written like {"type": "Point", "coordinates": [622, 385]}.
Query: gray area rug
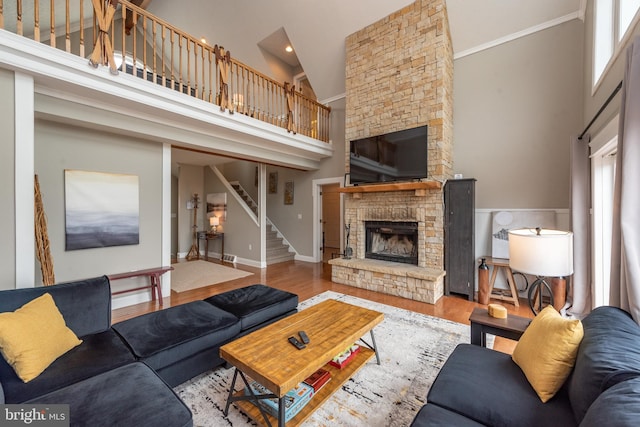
{"type": "Point", "coordinates": [412, 347]}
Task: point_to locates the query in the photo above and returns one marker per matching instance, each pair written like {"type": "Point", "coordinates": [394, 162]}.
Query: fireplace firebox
{"type": "Point", "coordinates": [392, 241]}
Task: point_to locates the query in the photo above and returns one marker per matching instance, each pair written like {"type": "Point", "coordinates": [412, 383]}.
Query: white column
{"type": "Point", "coordinates": [24, 180]}
{"type": "Point", "coordinates": [262, 213]}
{"type": "Point", "coordinates": [166, 217]}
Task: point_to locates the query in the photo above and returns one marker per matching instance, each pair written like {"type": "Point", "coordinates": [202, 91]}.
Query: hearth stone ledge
{"type": "Point", "coordinates": [392, 278]}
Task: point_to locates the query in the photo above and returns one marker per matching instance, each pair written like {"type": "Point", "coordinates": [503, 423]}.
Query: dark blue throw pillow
{"type": "Point", "coordinates": [608, 355]}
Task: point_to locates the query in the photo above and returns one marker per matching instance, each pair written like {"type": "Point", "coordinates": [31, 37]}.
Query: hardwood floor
{"type": "Point", "coordinates": [310, 279]}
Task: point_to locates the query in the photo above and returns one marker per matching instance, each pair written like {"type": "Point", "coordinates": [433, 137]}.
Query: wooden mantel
{"type": "Point", "coordinates": [419, 187]}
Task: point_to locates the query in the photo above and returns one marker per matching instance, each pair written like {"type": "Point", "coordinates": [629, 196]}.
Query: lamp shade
{"type": "Point", "coordinates": [214, 220]}
{"type": "Point", "coordinates": [544, 253]}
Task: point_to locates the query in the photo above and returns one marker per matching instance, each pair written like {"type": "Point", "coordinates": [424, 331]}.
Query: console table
{"type": "Point", "coordinates": [206, 236]}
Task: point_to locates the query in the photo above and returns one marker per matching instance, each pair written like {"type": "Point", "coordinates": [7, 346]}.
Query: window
{"type": "Point", "coordinates": [627, 10]}
{"type": "Point", "coordinates": [604, 170]}
{"type": "Point", "coordinates": [612, 20]}
{"type": "Point", "coordinates": [603, 167]}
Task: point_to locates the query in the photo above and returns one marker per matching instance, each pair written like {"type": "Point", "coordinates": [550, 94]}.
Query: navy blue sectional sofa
{"type": "Point", "coordinates": [123, 374]}
{"type": "Point", "coordinates": [478, 386]}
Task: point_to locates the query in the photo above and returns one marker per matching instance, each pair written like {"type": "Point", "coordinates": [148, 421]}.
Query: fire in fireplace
{"type": "Point", "coordinates": [392, 241]}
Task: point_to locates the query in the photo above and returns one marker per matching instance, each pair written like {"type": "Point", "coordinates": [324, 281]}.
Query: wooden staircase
{"type": "Point", "coordinates": [277, 250]}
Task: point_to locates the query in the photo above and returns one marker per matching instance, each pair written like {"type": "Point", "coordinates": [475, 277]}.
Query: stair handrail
{"type": "Point", "coordinates": [235, 195]}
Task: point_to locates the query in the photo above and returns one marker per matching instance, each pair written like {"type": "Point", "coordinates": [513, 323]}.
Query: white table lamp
{"type": "Point", "coordinates": [543, 253]}
{"type": "Point", "coordinates": [214, 222]}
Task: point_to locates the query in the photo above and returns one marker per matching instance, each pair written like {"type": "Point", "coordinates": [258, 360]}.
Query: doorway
{"type": "Point", "coordinates": [330, 220]}
{"type": "Point", "coordinates": [327, 233]}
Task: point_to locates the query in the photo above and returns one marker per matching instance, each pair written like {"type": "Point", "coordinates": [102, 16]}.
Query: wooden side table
{"type": "Point", "coordinates": [206, 236]}
{"type": "Point", "coordinates": [511, 294]}
{"type": "Point", "coordinates": [154, 278]}
{"type": "Point", "coordinates": [482, 324]}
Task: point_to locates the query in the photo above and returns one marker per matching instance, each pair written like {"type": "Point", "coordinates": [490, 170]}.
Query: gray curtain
{"type": "Point", "coordinates": [580, 290]}
{"type": "Point", "coordinates": [625, 246]}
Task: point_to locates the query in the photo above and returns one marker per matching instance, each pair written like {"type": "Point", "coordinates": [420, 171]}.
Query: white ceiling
{"type": "Point", "coordinates": [317, 29]}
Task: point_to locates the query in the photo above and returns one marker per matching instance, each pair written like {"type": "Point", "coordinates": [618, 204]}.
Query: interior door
{"type": "Point", "coordinates": [331, 217]}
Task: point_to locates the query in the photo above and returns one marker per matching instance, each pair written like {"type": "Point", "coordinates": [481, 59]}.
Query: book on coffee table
{"type": "Point", "coordinates": [294, 400]}
{"type": "Point", "coordinates": [318, 379]}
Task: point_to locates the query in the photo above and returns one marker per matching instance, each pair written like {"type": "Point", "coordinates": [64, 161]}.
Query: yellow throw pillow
{"type": "Point", "coordinates": [33, 336]}
{"type": "Point", "coordinates": [547, 351]}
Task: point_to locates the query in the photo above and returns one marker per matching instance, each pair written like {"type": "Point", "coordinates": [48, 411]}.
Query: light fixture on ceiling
{"type": "Point", "coordinates": [203, 40]}
{"type": "Point", "coordinates": [289, 49]}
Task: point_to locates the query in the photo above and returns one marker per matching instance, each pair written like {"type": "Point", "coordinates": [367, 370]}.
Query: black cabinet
{"type": "Point", "coordinates": [459, 237]}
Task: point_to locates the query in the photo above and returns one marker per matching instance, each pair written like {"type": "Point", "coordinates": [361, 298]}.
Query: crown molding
{"type": "Point", "coordinates": [519, 34]}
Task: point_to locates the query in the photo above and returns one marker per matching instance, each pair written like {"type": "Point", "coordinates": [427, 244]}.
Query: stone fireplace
{"type": "Point", "coordinates": [399, 75]}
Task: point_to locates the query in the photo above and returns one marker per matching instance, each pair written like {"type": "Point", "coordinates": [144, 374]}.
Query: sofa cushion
{"type": "Point", "coordinates": [33, 336]}
{"type": "Point", "coordinates": [97, 353]}
{"type": "Point", "coordinates": [488, 387]}
{"type": "Point", "coordinates": [547, 351]}
{"type": "Point", "coordinates": [84, 304]}
{"type": "Point", "coordinates": [619, 406]}
{"type": "Point", "coordinates": [163, 337]}
{"type": "Point", "coordinates": [610, 347]}
{"type": "Point", "coordinates": [255, 304]}
{"type": "Point", "coordinates": [435, 416]}
{"type": "Point", "coordinates": [131, 395]}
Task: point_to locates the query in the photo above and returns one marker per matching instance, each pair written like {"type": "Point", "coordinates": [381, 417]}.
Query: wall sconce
{"type": "Point", "coordinates": [543, 253]}
{"type": "Point", "coordinates": [214, 222]}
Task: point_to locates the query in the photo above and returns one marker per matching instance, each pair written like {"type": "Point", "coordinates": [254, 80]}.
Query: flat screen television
{"type": "Point", "coordinates": [391, 157]}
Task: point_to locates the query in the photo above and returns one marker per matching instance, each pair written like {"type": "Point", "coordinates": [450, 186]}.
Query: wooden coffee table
{"type": "Point", "coordinates": [267, 356]}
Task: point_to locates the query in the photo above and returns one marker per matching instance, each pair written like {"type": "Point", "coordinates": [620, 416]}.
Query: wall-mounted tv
{"type": "Point", "coordinates": [395, 156]}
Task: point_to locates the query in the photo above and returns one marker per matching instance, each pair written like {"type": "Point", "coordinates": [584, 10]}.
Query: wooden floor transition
{"type": "Point", "coordinates": [309, 279]}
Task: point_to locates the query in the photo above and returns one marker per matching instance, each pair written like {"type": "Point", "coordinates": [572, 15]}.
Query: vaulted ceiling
{"type": "Point", "coordinates": [317, 28]}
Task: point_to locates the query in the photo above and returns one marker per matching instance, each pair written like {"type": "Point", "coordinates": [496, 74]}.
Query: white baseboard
{"type": "Point", "coordinates": [304, 258]}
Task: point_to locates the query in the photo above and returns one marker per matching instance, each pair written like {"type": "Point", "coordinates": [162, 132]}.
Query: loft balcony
{"type": "Point", "coordinates": [95, 62]}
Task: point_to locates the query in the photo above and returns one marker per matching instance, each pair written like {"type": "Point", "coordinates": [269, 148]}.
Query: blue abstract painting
{"type": "Point", "coordinates": [101, 209]}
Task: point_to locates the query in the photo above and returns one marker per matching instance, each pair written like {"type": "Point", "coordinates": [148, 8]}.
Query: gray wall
{"type": "Point", "coordinates": [7, 177]}
{"type": "Point", "coordinates": [174, 217]}
{"type": "Point", "coordinates": [515, 107]}
{"type": "Point", "coordinates": [244, 172]}
{"type": "Point", "coordinates": [59, 147]}
{"type": "Point", "coordinates": [190, 182]}
{"type": "Point", "coordinates": [299, 231]}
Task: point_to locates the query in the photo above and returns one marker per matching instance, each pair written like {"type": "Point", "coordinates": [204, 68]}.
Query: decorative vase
{"type": "Point", "coordinates": [483, 282]}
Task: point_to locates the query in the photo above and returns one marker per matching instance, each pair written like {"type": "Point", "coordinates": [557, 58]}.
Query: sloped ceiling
{"type": "Point", "coordinates": [317, 28]}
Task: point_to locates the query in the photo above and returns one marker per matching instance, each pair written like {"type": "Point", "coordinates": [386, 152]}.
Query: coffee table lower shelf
{"type": "Point", "coordinates": [338, 378]}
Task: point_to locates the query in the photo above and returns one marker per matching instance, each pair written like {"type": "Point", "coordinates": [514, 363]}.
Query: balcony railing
{"type": "Point", "coordinates": [129, 39]}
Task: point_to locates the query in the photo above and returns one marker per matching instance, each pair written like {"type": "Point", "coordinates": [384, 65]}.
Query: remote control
{"type": "Point", "coordinates": [304, 337]}
{"type": "Point", "coordinates": [296, 343]}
